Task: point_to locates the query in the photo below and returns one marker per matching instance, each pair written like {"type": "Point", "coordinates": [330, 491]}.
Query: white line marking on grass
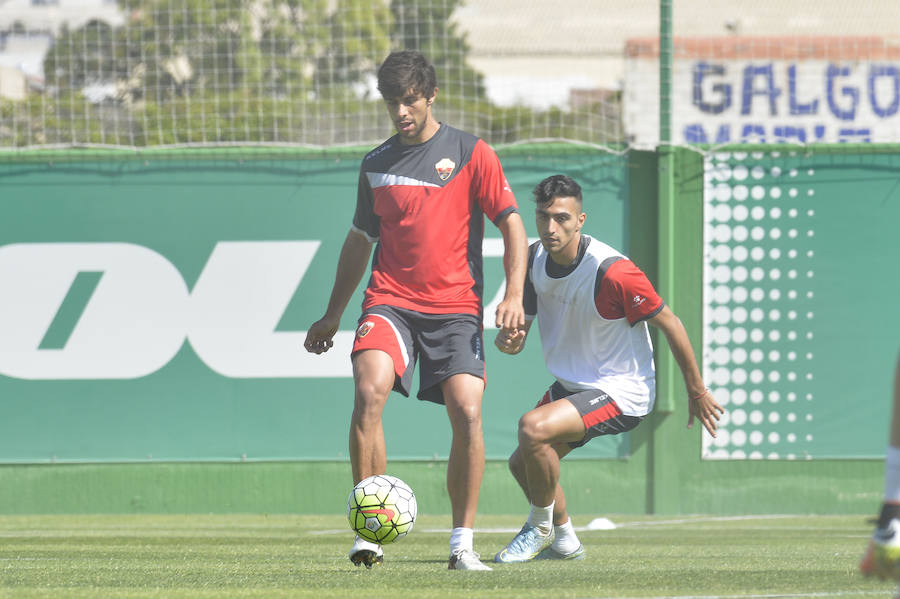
{"type": "Point", "coordinates": [635, 524]}
{"type": "Point", "coordinates": [342, 531]}
{"type": "Point", "coordinates": [706, 519]}
{"type": "Point", "coordinates": [330, 531]}
{"type": "Point", "coordinates": [771, 596]}
{"type": "Point", "coordinates": [30, 559]}
{"type": "Point", "coordinates": [609, 525]}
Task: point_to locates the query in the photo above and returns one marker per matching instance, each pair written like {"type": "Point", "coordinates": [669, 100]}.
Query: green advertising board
{"type": "Point", "coordinates": [153, 307]}
{"type": "Point", "coordinates": [800, 283]}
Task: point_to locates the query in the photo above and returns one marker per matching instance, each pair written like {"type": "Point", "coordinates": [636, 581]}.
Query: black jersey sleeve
{"type": "Point", "coordinates": [529, 297]}
{"type": "Point", "coordinates": [365, 218]}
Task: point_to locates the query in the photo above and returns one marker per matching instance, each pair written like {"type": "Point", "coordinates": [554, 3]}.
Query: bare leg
{"type": "Point", "coordinates": [465, 468]}
{"type": "Point", "coordinates": [535, 464]}
{"type": "Point", "coordinates": [373, 375]}
{"type": "Point", "coordinates": [891, 504]}
{"type": "Point", "coordinates": [895, 414]}
{"type": "Point", "coordinates": [543, 433]}
{"type": "Point", "coordinates": [882, 556]}
{"type": "Point", "coordinates": [517, 467]}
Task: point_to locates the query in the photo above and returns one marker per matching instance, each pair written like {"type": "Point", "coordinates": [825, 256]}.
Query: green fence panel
{"type": "Point", "coordinates": [182, 208]}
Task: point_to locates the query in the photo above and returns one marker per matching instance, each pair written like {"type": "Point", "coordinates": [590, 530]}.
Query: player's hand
{"type": "Point", "coordinates": [320, 334]}
{"type": "Point", "coordinates": [510, 341]}
{"type": "Point", "coordinates": [511, 313]}
{"type": "Point", "coordinates": [707, 410]}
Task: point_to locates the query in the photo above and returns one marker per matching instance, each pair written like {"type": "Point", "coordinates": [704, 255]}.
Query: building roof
{"type": "Point", "coordinates": [49, 15]}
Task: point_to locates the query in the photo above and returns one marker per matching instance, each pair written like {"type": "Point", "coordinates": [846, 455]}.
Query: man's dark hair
{"type": "Point", "coordinates": [406, 70]}
{"type": "Point", "coordinates": [557, 186]}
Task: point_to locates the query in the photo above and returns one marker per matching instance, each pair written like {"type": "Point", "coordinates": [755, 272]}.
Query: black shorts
{"type": "Point", "coordinates": [599, 412]}
{"type": "Point", "coordinates": [444, 344]}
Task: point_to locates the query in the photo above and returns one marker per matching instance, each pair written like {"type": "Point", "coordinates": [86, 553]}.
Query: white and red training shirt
{"type": "Point", "coordinates": [592, 318]}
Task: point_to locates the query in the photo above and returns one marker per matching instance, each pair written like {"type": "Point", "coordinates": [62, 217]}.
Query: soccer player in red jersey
{"type": "Point", "coordinates": [592, 305]}
{"type": "Point", "coordinates": [422, 198]}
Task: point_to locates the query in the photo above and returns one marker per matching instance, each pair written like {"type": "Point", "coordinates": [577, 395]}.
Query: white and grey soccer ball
{"type": "Point", "coordinates": [382, 508]}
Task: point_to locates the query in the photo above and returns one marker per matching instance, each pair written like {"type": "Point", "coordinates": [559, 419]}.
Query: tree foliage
{"type": "Point", "coordinates": [169, 48]}
{"type": "Point", "coordinates": [95, 60]}
{"type": "Point", "coordinates": [248, 71]}
{"type": "Point", "coordinates": [429, 28]}
{"type": "Point", "coordinates": [359, 32]}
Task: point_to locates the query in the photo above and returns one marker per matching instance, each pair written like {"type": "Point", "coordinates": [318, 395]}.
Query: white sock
{"type": "Point", "coordinates": [461, 538]}
{"type": "Point", "coordinates": [892, 475]}
{"type": "Point", "coordinates": [542, 518]}
{"type": "Point", "coordinates": [566, 541]}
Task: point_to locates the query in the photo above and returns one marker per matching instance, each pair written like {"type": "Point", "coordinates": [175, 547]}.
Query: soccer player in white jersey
{"type": "Point", "coordinates": [882, 557]}
{"type": "Point", "coordinates": [592, 305]}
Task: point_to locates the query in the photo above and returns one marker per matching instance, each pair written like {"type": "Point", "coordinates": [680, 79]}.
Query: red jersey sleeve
{"type": "Point", "coordinates": [624, 291]}
{"type": "Point", "coordinates": [490, 187]}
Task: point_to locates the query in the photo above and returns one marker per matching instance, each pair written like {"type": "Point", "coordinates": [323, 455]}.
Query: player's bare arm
{"type": "Point", "coordinates": [512, 341]}
{"type": "Point", "coordinates": [351, 266]}
{"type": "Point", "coordinates": [510, 311]}
{"type": "Point", "coordinates": [702, 404]}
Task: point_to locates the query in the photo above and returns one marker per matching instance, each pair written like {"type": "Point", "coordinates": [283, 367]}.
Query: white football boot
{"type": "Point", "coordinates": [525, 546]}
{"type": "Point", "coordinates": [466, 559]}
{"type": "Point", "coordinates": [551, 553]}
{"type": "Point", "coordinates": [366, 553]}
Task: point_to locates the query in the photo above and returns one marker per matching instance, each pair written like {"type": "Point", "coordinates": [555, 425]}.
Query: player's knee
{"type": "Point", "coordinates": [465, 412]}
{"type": "Point", "coordinates": [531, 429]}
{"type": "Point", "coordinates": [370, 396]}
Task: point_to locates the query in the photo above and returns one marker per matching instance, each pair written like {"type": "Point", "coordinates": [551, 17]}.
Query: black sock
{"type": "Point", "coordinates": [888, 512]}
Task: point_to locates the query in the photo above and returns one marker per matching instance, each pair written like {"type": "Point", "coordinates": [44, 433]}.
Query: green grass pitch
{"type": "Point", "coordinates": [282, 556]}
